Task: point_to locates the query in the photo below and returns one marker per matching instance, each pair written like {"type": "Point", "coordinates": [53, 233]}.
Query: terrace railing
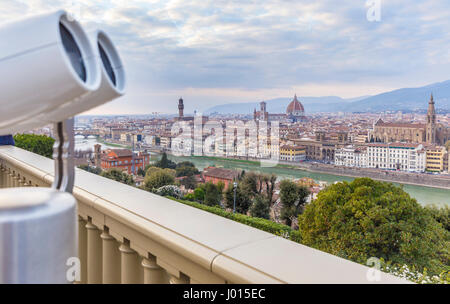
{"type": "Point", "coordinates": [127, 235]}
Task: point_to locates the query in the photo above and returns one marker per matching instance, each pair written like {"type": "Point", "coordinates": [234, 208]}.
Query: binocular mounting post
{"type": "Point", "coordinates": [63, 152]}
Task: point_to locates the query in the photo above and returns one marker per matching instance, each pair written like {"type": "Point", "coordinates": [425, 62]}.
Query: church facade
{"type": "Point", "coordinates": [431, 132]}
{"type": "Point", "coordinates": [294, 112]}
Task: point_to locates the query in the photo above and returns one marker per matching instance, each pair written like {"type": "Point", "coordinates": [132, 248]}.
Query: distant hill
{"type": "Point", "coordinates": [407, 99]}
{"type": "Point", "coordinates": [404, 99]}
{"type": "Point", "coordinates": [279, 105]}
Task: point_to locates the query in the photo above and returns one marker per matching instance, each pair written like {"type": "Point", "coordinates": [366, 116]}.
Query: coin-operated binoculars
{"type": "Point", "coordinates": [50, 70]}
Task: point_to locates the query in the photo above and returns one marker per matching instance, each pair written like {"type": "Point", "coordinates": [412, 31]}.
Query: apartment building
{"type": "Point", "coordinates": [124, 160]}
{"type": "Point", "coordinates": [292, 153]}
{"type": "Point", "coordinates": [351, 156]}
{"type": "Point", "coordinates": [272, 151]}
{"type": "Point", "coordinates": [397, 156]}
{"type": "Point", "coordinates": [165, 141]}
{"type": "Point", "coordinates": [435, 161]}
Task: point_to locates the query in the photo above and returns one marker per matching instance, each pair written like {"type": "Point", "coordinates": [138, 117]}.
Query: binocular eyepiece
{"type": "Point", "coordinates": [51, 70]}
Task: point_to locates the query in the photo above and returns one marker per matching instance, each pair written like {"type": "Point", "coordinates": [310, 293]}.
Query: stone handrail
{"type": "Point", "coordinates": [127, 235]}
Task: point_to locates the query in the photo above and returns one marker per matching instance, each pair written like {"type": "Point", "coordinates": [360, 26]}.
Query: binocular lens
{"type": "Point", "coordinates": [73, 52]}
{"type": "Point", "coordinates": [107, 64]}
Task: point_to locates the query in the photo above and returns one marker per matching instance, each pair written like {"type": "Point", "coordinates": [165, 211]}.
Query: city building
{"type": "Point", "coordinates": [292, 153]}
{"type": "Point", "coordinates": [431, 132]}
{"type": "Point", "coordinates": [294, 112]}
{"type": "Point", "coordinates": [123, 159]}
{"type": "Point", "coordinates": [435, 158]}
{"type": "Point", "coordinates": [216, 175]}
{"type": "Point", "coordinates": [351, 156]}
{"type": "Point", "coordinates": [182, 117]}
{"type": "Point", "coordinates": [165, 141]}
{"type": "Point", "coordinates": [397, 156]}
{"type": "Point", "coordinates": [361, 138]}
{"type": "Point", "coordinates": [271, 151]}
{"type": "Point", "coordinates": [323, 147]}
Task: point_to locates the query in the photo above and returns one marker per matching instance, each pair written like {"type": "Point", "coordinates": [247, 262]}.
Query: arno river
{"type": "Point", "coordinates": [424, 195]}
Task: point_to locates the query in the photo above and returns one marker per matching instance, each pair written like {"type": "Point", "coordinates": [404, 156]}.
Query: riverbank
{"type": "Point", "coordinates": [416, 179]}
{"type": "Point", "coordinates": [425, 195]}
{"type": "Point", "coordinates": [110, 144]}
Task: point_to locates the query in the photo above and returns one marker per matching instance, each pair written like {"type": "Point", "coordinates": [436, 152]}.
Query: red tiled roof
{"type": "Point", "coordinates": [121, 152]}
{"type": "Point", "coordinates": [295, 105]}
{"type": "Point", "coordinates": [220, 173]}
{"type": "Point", "coordinates": [400, 125]}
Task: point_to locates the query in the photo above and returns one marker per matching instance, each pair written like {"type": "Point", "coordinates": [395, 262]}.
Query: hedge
{"type": "Point", "coordinates": [259, 223]}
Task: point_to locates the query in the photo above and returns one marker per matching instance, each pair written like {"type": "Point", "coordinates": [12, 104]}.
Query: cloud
{"type": "Point", "coordinates": [180, 47]}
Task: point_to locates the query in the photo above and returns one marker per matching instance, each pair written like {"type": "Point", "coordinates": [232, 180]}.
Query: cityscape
{"type": "Point", "coordinates": [414, 143]}
{"type": "Point", "coordinates": [224, 143]}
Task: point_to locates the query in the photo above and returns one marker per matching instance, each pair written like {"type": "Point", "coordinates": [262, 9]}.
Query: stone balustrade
{"type": "Point", "coordinates": [127, 235]}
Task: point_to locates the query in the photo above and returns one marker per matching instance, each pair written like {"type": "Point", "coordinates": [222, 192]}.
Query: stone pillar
{"type": "Point", "coordinates": [130, 269]}
{"type": "Point", "coordinates": [153, 274]}
{"type": "Point", "coordinates": [82, 249]}
{"type": "Point", "coordinates": [111, 259]}
{"type": "Point", "coordinates": [94, 255]}
{"type": "Point", "coordinates": [10, 179]}
{"type": "Point", "coordinates": [2, 176]}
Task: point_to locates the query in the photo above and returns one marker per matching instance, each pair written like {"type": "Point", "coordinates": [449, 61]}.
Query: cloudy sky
{"type": "Point", "coordinates": [219, 51]}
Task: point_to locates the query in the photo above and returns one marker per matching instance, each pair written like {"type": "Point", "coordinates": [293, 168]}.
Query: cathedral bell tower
{"type": "Point", "coordinates": [180, 108]}
{"type": "Point", "coordinates": [431, 122]}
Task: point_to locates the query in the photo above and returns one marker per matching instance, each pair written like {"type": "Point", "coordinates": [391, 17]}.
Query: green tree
{"type": "Point", "coordinates": [141, 172]}
{"type": "Point", "coordinates": [221, 186]}
{"type": "Point", "coordinates": [189, 182]}
{"type": "Point", "coordinates": [243, 199]}
{"type": "Point", "coordinates": [199, 194]}
{"type": "Point", "coordinates": [293, 198]}
{"type": "Point", "coordinates": [249, 184]}
{"type": "Point", "coordinates": [118, 176]}
{"type": "Point", "coordinates": [39, 144]}
{"type": "Point", "coordinates": [158, 178]}
{"type": "Point", "coordinates": [189, 197]}
{"type": "Point", "coordinates": [165, 163]}
{"type": "Point", "coordinates": [270, 182]}
{"type": "Point", "coordinates": [260, 207]}
{"type": "Point", "coordinates": [151, 170]}
{"type": "Point", "coordinates": [186, 169]}
{"type": "Point", "coordinates": [367, 218]}
{"type": "Point", "coordinates": [440, 214]}
{"type": "Point", "coordinates": [213, 195]}
{"type": "Point", "coordinates": [447, 145]}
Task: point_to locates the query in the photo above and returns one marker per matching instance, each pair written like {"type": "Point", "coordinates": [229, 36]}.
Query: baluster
{"type": "Point", "coordinates": [2, 176]}
{"type": "Point", "coordinates": [82, 248]}
{"type": "Point", "coordinates": [130, 270]}
{"type": "Point", "coordinates": [15, 179]}
{"type": "Point", "coordinates": [10, 179]}
{"type": "Point", "coordinates": [94, 254]}
{"type": "Point", "coordinates": [111, 258]}
{"type": "Point", "coordinates": [153, 273]}
{"type": "Point", "coordinates": [20, 180]}
{"type": "Point", "coordinates": [182, 279]}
